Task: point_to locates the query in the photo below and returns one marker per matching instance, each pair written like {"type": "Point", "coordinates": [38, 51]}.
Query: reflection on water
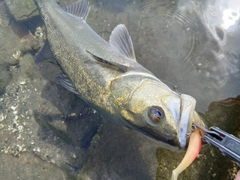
{"type": "Point", "coordinates": [193, 46]}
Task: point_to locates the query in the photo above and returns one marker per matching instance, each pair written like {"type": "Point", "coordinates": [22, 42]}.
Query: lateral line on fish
{"type": "Point", "coordinates": [146, 75]}
{"type": "Point", "coordinates": [137, 74]}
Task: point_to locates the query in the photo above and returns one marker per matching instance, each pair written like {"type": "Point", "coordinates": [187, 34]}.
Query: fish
{"type": "Point", "coordinates": [107, 76]}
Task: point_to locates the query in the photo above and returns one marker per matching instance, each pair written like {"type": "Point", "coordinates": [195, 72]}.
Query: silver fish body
{"type": "Point", "coordinates": [107, 76]}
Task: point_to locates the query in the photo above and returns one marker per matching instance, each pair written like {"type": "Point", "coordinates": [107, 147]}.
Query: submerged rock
{"type": "Point", "coordinates": [28, 167]}
{"type": "Point", "coordinates": [21, 9]}
{"type": "Point", "coordinates": [4, 15]}
{"type": "Point", "coordinates": [25, 9]}
{"type": "Point", "coordinates": [119, 153]}
{"type": "Point", "coordinates": [5, 76]}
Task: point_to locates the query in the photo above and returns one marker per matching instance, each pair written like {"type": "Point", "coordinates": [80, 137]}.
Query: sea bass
{"type": "Point", "coordinates": [107, 76]}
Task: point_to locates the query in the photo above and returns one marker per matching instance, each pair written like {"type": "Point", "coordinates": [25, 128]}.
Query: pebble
{"type": "Point", "coordinates": [2, 117]}
{"type": "Point", "coordinates": [17, 55]}
{"type": "Point", "coordinates": [37, 149]}
{"type": "Point", "coordinates": [14, 107]}
{"type": "Point", "coordinates": [22, 82]}
{"type": "Point", "coordinates": [1, 126]}
{"type": "Point", "coordinates": [20, 128]}
{"type": "Point", "coordinates": [15, 118]}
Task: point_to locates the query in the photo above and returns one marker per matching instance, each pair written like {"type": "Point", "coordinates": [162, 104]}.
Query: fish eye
{"type": "Point", "coordinates": [155, 115]}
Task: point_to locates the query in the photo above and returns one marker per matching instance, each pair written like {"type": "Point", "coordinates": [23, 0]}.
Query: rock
{"type": "Point", "coordinates": [5, 76]}
{"type": "Point", "coordinates": [25, 9]}
{"type": "Point", "coordinates": [28, 166]}
{"type": "Point", "coordinates": [21, 9]}
{"type": "Point", "coordinates": [4, 15]}
{"type": "Point", "coordinates": [226, 114]}
{"type": "Point", "coordinates": [119, 153]}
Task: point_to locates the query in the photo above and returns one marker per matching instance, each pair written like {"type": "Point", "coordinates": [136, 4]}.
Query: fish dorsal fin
{"type": "Point", "coordinates": [121, 40]}
{"type": "Point", "coordinates": [80, 9]}
{"type": "Point", "coordinates": [45, 53]}
{"type": "Point", "coordinates": [120, 67]}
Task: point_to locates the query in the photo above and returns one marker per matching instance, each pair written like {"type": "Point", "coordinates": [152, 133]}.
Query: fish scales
{"type": "Point", "coordinates": [63, 37]}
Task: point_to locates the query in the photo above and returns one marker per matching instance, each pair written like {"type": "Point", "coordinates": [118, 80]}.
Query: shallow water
{"type": "Point", "coordinates": [192, 46]}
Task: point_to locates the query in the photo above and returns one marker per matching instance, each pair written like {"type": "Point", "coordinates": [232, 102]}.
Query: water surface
{"type": "Point", "coordinates": [49, 133]}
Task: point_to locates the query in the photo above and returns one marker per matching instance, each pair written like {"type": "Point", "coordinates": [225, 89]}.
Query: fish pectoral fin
{"type": "Point", "coordinates": [121, 40]}
{"type": "Point", "coordinates": [45, 54]}
{"type": "Point", "coordinates": [65, 81]}
{"type": "Point", "coordinates": [80, 9]}
{"type": "Point", "coordinates": [120, 67]}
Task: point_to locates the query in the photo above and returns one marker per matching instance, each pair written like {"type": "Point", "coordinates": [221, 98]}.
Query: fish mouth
{"type": "Point", "coordinates": [163, 138]}
{"type": "Point", "coordinates": [187, 108]}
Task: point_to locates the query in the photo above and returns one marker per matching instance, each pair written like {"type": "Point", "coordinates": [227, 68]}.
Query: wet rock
{"type": "Point", "coordinates": [28, 166]}
{"type": "Point", "coordinates": [226, 114]}
{"type": "Point", "coordinates": [119, 153]}
{"type": "Point", "coordinates": [24, 112]}
{"type": "Point", "coordinates": [23, 116]}
{"type": "Point", "coordinates": [16, 41]}
{"type": "Point", "coordinates": [21, 9]}
{"type": "Point", "coordinates": [25, 9]}
{"type": "Point", "coordinates": [4, 15]}
{"type": "Point", "coordinates": [8, 46]}
{"type": "Point", "coordinates": [76, 124]}
{"type": "Point", "coordinates": [5, 76]}
{"type": "Point", "coordinates": [27, 67]}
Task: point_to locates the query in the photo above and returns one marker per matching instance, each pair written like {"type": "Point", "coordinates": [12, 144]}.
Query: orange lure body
{"type": "Point", "coordinates": [194, 147]}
